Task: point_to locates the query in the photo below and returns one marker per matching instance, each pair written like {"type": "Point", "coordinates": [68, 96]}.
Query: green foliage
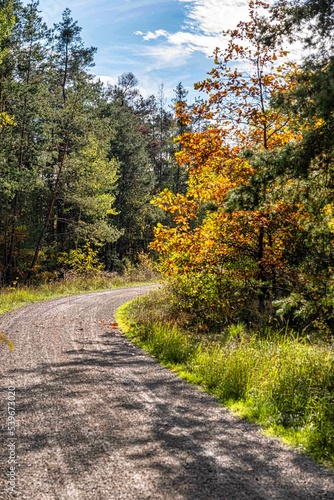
{"type": "Point", "coordinates": [80, 162]}
{"type": "Point", "coordinates": [134, 215]}
{"type": "Point", "coordinates": [165, 342]}
{"type": "Point", "coordinates": [7, 21]}
{"type": "Point", "coordinates": [224, 371]}
{"type": "Point", "coordinates": [216, 297]}
{"type": "Point", "coordinates": [57, 181]}
{"type": "Point", "coordinates": [81, 261]}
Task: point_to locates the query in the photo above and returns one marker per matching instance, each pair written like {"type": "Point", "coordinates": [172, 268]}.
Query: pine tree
{"type": "Point", "coordinates": [75, 151]}
{"type": "Point", "coordinates": [135, 183]}
{"type": "Point", "coordinates": [24, 91]}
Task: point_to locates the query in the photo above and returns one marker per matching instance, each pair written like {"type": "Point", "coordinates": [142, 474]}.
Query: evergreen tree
{"type": "Point", "coordinates": [25, 94]}
{"type": "Point", "coordinates": [7, 21]}
{"type": "Point", "coordinates": [135, 180]}
{"type": "Point", "coordinates": [181, 126]}
{"type": "Point", "coordinates": [74, 152]}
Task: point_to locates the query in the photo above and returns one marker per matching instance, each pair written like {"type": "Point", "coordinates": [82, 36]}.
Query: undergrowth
{"type": "Point", "coordinates": [273, 378]}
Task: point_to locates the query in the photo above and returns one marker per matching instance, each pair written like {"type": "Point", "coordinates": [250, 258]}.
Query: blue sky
{"type": "Point", "coordinates": [160, 41]}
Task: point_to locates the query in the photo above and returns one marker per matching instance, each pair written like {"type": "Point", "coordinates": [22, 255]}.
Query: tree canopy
{"type": "Point", "coordinates": [252, 238]}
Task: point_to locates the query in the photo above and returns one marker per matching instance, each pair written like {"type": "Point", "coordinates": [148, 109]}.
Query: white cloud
{"type": "Point", "coordinates": [152, 35]}
{"type": "Point", "coordinates": [167, 56]}
{"type": "Point", "coordinates": [202, 31]}
{"type": "Point", "coordinates": [195, 42]}
{"type": "Point", "coordinates": [214, 16]}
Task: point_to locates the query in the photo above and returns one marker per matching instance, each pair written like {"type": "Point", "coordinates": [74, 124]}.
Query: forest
{"type": "Point", "coordinates": [229, 198]}
{"type": "Point", "coordinates": [232, 196]}
{"type": "Point", "coordinates": [79, 161]}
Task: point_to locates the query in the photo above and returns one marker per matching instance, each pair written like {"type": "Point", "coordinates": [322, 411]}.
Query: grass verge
{"type": "Point", "coordinates": [283, 383]}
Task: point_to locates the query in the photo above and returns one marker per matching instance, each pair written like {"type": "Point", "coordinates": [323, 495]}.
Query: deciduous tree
{"type": "Point", "coordinates": [229, 236]}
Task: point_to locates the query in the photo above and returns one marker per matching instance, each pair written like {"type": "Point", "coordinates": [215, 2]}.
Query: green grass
{"type": "Point", "coordinates": [281, 382]}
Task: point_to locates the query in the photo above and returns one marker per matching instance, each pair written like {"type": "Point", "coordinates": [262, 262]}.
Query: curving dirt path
{"type": "Point", "coordinates": [99, 419]}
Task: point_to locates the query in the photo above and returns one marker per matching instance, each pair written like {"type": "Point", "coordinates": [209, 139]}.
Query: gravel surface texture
{"type": "Point", "coordinates": [97, 418]}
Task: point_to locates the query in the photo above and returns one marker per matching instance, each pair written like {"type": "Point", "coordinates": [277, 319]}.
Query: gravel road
{"type": "Point", "coordinates": [97, 418]}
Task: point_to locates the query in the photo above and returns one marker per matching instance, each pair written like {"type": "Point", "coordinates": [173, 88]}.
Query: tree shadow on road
{"type": "Point", "coordinates": [106, 412]}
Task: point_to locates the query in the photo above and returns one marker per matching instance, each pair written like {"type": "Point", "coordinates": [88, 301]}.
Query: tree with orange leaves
{"type": "Point", "coordinates": [224, 253]}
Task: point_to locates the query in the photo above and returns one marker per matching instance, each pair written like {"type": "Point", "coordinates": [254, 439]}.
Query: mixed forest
{"type": "Point", "coordinates": [79, 161]}
{"type": "Point", "coordinates": [232, 196]}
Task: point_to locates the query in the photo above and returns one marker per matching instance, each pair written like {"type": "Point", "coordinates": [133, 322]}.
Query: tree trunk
{"type": "Point", "coordinates": [49, 214]}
